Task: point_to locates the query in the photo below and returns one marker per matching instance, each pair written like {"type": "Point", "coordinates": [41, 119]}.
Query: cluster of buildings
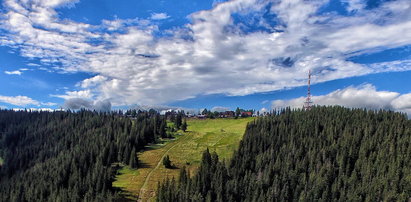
{"type": "Point", "coordinates": [225, 114]}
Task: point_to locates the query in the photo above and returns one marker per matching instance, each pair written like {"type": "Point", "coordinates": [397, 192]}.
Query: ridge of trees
{"type": "Point", "coordinates": [325, 154]}
{"type": "Point", "coordinates": [66, 156]}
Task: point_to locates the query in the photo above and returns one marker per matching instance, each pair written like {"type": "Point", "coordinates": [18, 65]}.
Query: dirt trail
{"type": "Point", "coordinates": [143, 189]}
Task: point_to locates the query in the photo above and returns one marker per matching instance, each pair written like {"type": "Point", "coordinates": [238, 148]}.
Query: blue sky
{"type": "Point", "coordinates": [196, 54]}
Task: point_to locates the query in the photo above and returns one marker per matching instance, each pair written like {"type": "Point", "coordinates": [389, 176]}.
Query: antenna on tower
{"type": "Point", "coordinates": [308, 102]}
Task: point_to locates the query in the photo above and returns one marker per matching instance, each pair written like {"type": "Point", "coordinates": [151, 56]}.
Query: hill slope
{"type": "Point", "coordinates": [220, 135]}
{"type": "Point", "coordinates": [64, 156]}
{"type": "Point", "coordinates": [328, 153]}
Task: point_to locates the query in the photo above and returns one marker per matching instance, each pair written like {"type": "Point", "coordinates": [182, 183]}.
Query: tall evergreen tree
{"type": "Point", "coordinates": [324, 154]}
{"type": "Point", "coordinates": [67, 156]}
{"type": "Point", "coordinates": [184, 125]}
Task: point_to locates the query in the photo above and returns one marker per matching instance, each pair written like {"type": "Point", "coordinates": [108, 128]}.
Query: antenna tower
{"type": "Point", "coordinates": [308, 102]}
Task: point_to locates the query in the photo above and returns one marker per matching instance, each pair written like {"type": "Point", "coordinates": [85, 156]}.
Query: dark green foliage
{"type": "Point", "coordinates": [167, 162]}
{"type": "Point", "coordinates": [237, 112]}
{"type": "Point", "coordinates": [325, 154]}
{"type": "Point", "coordinates": [184, 125]}
{"type": "Point", "coordinates": [64, 156]}
{"type": "Point", "coordinates": [178, 121]}
{"type": "Point", "coordinates": [133, 159]}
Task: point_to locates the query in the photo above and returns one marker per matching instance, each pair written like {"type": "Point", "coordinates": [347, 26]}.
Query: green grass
{"type": "Point", "coordinates": [219, 135]}
{"type": "Point", "coordinates": [125, 173]}
{"type": "Point", "coordinates": [1, 161]}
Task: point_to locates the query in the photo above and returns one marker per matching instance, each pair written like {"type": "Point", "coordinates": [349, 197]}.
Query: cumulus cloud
{"type": "Point", "coordinates": [48, 103]}
{"type": "Point", "coordinates": [263, 110]}
{"type": "Point", "coordinates": [79, 103]}
{"type": "Point", "coordinates": [364, 96]}
{"type": "Point", "coordinates": [159, 16]}
{"type": "Point", "coordinates": [17, 72]}
{"type": "Point", "coordinates": [163, 109]}
{"type": "Point", "coordinates": [36, 109]}
{"type": "Point", "coordinates": [104, 105]}
{"type": "Point", "coordinates": [93, 81]}
{"type": "Point", "coordinates": [220, 109]}
{"type": "Point", "coordinates": [84, 94]}
{"type": "Point", "coordinates": [23, 101]}
{"type": "Point", "coordinates": [213, 54]}
{"type": "Point", "coordinates": [19, 100]}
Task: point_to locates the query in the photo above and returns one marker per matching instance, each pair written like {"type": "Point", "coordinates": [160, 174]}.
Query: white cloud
{"type": "Point", "coordinates": [48, 103]}
{"type": "Point", "coordinates": [84, 94]}
{"type": "Point", "coordinates": [91, 82]}
{"type": "Point", "coordinates": [16, 72]}
{"type": "Point", "coordinates": [33, 65]}
{"type": "Point", "coordinates": [36, 109]}
{"type": "Point", "coordinates": [364, 96]}
{"type": "Point", "coordinates": [354, 5]}
{"type": "Point", "coordinates": [220, 109]}
{"type": "Point", "coordinates": [212, 54]}
{"type": "Point", "coordinates": [159, 16]}
{"type": "Point", "coordinates": [80, 103]}
{"type": "Point", "coordinates": [19, 100]}
{"type": "Point", "coordinates": [263, 110]}
{"type": "Point", "coordinates": [402, 102]}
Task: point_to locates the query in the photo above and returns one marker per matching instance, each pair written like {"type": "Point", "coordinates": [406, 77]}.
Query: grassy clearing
{"type": "Point", "coordinates": [219, 135]}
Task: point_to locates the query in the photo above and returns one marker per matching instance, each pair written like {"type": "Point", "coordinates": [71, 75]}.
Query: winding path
{"type": "Point", "coordinates": [143, 188]}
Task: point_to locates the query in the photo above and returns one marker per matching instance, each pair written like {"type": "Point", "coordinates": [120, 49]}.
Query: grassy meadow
{"type": "Point", "coordinates": [219, 135]}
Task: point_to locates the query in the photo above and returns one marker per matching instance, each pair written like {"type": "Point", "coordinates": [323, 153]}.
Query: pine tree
{"type": "Point", "coordinates": [237, 112]}
{"type": "Point", "coordinates": [133, 159]}
{"type": "Point", "coordinates": [167, 162]}
{"type": "Point", "coordinates": [184, 125]}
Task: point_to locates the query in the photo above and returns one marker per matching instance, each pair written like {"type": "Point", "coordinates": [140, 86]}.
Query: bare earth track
{"type": "Point", "coordinates": [143, 190]}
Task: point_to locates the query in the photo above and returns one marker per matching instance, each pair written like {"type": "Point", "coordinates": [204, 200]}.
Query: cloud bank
{"type": "Point", "coordinates": [23, 101]}
{"type": "Point", "coordinates": [271, 47]}
{"type": "Point", "coordinates": [19, 100]}
{"type": "Point", "coordinates": [79, 103]}
{"type": "Point", "coordinates": [364, 96]}
{"type": "Point", "coordinates": [220, 109]}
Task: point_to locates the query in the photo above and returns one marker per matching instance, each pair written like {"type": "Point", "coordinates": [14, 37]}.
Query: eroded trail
{"type": "Point", "coordinates": [144, 191]}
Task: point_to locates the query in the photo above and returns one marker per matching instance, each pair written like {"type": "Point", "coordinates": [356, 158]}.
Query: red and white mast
{"type": "Point", "coordinates": [308, 102]}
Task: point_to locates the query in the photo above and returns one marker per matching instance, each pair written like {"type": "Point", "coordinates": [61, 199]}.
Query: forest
{"type": "Point", "coordinates": [323, 154]}
{"type": "Point", "coordinates": [70, 156]}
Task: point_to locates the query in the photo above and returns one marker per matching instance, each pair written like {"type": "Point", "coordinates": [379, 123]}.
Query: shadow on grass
{"type": "Point", "coordinates": [122, 195]}
{"type": "Point", "coordinates": [173, 167]}
{"type": "Point", "coordinates": [143, 165]}
{"type": "Point", "coordinates": [159, 144]}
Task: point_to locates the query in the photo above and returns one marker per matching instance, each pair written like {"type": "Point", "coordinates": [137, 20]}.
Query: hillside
{"type": "Point", "coordinates": [326, 154]}
{"type": "Point", "coordinates": [66, 156]}
{"type": "Point", "coordinates": [219, 135]}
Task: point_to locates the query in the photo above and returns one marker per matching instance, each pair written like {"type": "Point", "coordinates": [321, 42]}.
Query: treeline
{"type": "Point", "coordinates": [325, 154]}
{"type": "Point", "coordinates": [67, 156]}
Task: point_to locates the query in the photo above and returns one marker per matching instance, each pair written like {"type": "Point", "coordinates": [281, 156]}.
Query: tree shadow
{"type": "Point", "coordinates": [173, 167]}
{"type": "Point", "coordinates": [143, 165]}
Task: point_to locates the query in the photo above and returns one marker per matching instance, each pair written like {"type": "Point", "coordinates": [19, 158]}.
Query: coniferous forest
{"type": "Point", "coordinates": [325, 154]}
{"type": "Point", "coordinates": [67, 156]}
